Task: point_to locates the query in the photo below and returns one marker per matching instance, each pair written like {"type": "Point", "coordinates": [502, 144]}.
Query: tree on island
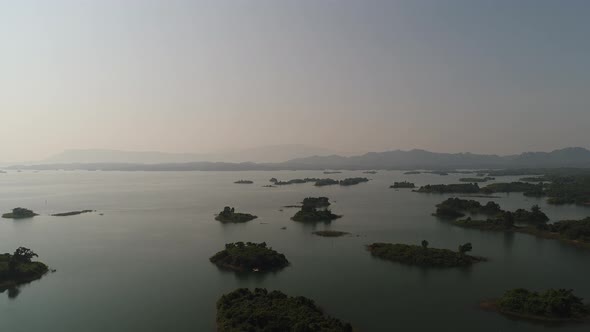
{"type": "Point", "coordinates": [424, 244]}
{"type": "Point", "coordinates": [508, 219]}
{"type": "Point", "coordinates": [465, 248]}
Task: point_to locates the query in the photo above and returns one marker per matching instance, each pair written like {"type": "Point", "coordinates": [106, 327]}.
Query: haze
{"type": "Point", "coordinates": [208, 76]}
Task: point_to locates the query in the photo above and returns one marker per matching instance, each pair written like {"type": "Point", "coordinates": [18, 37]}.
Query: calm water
{"type": "Point", "coordinates": [143, 265]}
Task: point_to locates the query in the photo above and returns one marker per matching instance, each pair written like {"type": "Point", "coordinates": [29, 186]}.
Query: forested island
{"type": "Point", "coordinates": [321, 182]}
{"type": "Point", "coordinates": [459, 188]}
{"type": "Point", "coordinates": [229, 215]}
{"type": "Point", "coordinates": [317, 202]}
{"type": "Point", "coordinates": [370, 172]}
{"type": "Point", "coordinates": [71, 213]}
{"type": "Point", "coordinates": [456, 207]}
{"type": "Point", "coordinates": [412, 172]}
{"type": "Point", "coordinates": [19, 213]}
{"type": "Point", "coordinates": [314, 210]}
{"type": "Point", "coordinates": [261, 310]}
{"type": "Point", "coordinates": [249, 256]}
{"type": "Point", "coordinates": [424, 256]}
{"type": "Point", "coordinates": [19, 268]}
{"type": "Point", "coordinates": [328, 233]}
{"type": "Point", "coordinates": [332, 172]}
{"type": "Point", "coordinates": [244, 182]}
{"type": "Point", "coordinates": [528, 189]}
{"type": "Point", "coordinates": [480, 179]}
{"type": "Point", "coordinates": [403, 184]}
{"type": "Point", "coordinates": [552, 305]}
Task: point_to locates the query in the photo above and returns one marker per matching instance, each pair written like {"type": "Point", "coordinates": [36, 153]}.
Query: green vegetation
{"type": "Point", "coordinates": [249, 257]}
{"type": "Point", "coordinates": [528, 189]}
{"type": "Point", "coordinates": [569, 190]}
{"type": "Point", "coordinates": [19, 213]}
{"type": "Point", "coordinates": [424, 256]}
{"type": "Point", "coordinates": [353, 181]}
{"type": "Point", "coordinates": [330, 233]}
{"type": "Point", "coordinates": [484, 179]}
{"type": "Point", "coordinates": [72, 213]}
{"type": "Point", "coordinates": [18, 268]}
{"type": "Point", "coordinates": [403, 184]}
{"type": "Point", "coordinates": [317, 202]}
{"type": "Point", "coordinates": [314, 210]}
{"type": "Point", "coordinates": [573, 230]}
{"type": "Point", "coordinates": [261, 310]}
{"type": "Point", "coordinates": [326, 182]}
{"type": "Point", "coordinates": [244, 182]}
{"type": "Point", "coordinates": [534, 179]}
{"type": "Point", "coordinates": [229, 215]}
{"type": "Point", "coordinates": [293, 181]}
{"type": "Point", "coordinates": [549, 305]}
{"type": "Point", "coordinates": [455, 207]}
{"type": "Point", "coordinates": [535, 216]}
{"type": "Point", "coordinates": [461, 188]}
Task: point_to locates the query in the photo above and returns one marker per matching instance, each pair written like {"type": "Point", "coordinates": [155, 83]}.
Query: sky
{"type": "Point", "coordinates": [483, 76]}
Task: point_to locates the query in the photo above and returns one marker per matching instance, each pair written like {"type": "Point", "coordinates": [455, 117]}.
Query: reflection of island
{"type": "Point", "coordinates": [330, 233]}
{"type": "Point", "coordinates": [72, 213]}
{"type": "Point", "coordinates": [18, 268]}
{"type": "Point", "coordinates": [424, 256]}
{"type": "Point", "coordinates": [19, 213]}
{"type": "Point", "coordinates": [552, 305]}
{"type": "Point", "coordinates": [230, 215]}
{"type": "Point", "coordinates": [261, 310]}
{"type": "Point", "coordinates": [403, 184]}
{"type": "Point", "coordinates": [249, 256]}
{"type": "Point", "coordinates": [314, 210]}
{"type": "Point", "coordinates": [244, 182]}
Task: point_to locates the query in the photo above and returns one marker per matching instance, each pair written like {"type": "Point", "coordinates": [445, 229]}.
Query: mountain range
{"type": "Point", "coordinates": [576, 157]}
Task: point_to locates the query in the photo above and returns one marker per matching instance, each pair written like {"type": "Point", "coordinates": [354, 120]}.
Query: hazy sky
{"type": "Point", "coordinates": [200, 76]}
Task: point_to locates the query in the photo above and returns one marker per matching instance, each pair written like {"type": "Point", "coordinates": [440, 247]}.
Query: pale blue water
{"type": "Point", "coordinates": [143, 265]}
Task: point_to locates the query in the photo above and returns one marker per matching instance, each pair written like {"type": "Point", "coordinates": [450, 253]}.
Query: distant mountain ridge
{"type": "Point", "coordinates": [575, 157]}
{"type": "Point", "coordinates": [567, 157]}
{"type": "Point", "coordinates": [264, 154]}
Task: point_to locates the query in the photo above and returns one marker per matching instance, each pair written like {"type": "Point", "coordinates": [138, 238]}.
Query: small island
{"type": "Point", "coordinates": [317, 202]}
{"type": "Point", "coordinates": [249, 256]}
{"type": "Point", "coordinates": [330, 233]}
{"type": "Point", "coordinates": [412, 172]}
{"type": "Point", "coordinates": [261, 310]}
{"type": "Point", "coordinates": [19, 213]}
{"type": "Point", "coordinates": [552, 305]}
{"type": "Point", "coordinates": [71, 213]}
{"type": "Point", "coordinates": [403, 184]}
{"type": "Point", "coordinates": [229, 215]}
{"type": "Point", "coordinates": [326, 182]}
{"type": "Point", "coordinates": [314, 210]}
{"type": "Point", "coordinates": [332, 172]}
{"type": "Point", "coordinates": [424, 256]}
{"type": "Point", "coordinates": [244, 182]}
{"type": "Point", "coordinates": [18, 268]}
{"type": "Point", "coordinates": [353, 181]}
{"type": "Point", "coordinates": [370, 172]}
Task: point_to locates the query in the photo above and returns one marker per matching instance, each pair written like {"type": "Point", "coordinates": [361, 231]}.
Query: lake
{"type": "Point", "coordinates": [143, 265]}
